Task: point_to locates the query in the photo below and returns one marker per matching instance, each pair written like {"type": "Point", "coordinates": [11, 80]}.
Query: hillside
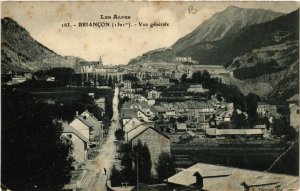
{"type": "Point", "coordinates": [20, 52]}
{"type": "Point", "coordinates": [224, 23]}
{"type": "Point", "coordinates": [162, 55]}
{"type": "Point", "coordinates": [270, 66]}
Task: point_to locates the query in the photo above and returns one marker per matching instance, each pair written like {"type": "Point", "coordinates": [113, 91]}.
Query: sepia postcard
{"type": "Point", "coordinates": [150, 96]}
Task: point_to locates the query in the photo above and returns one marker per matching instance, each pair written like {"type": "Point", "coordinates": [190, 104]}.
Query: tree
{"type": "Point", "coordinates": [142, 160]}
{"type": "Point", "coordinates": [183, 78]}
{"type": "Point", "coordinates": [115, 177]}
{"type": "Point", "coordinates": [34, 156]}
{"type": "Point", "coordinates": [182, 119]}
{"type": "Point", "coordinates": [252, 103]}
{"type": "Point", "coordinates": [238, 120]}
{"type": "Point", "coordinates": [172, 121]}
{"type": "Point", "coordinates": [146, 162]}
{"type": "Point", "coordinates": [119, 134]}
{"type": "Point", "coordinates": [110, 83]}
{"type": "Point", "coordinates": [126, 161]}
{"type": "Point", "coordinates": [165, 166]}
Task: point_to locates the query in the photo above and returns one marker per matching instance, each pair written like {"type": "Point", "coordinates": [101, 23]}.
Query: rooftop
{"type": "Point", "coordinates": [69, 129]}
{"type": "Point", "coordinates": [216, 177]}
{"type": "Point", "coordinates": [216, 132]}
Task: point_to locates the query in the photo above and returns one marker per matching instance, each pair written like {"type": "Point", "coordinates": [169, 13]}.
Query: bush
{"type": "Point", "coordinates": [119, 134]}
{"type": "Point", "coordinates": [115, 177]}
{"type": "Point", "coordinates": [165, 166]}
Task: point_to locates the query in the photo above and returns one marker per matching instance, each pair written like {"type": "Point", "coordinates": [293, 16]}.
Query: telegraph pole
{"type": "Point", "coordinates": [137, 172]}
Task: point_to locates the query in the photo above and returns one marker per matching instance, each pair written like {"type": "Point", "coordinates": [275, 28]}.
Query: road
{"type": "Point", "coordinates": [106, 156]}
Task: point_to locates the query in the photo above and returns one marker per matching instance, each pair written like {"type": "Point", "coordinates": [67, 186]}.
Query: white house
{"type": "Point", "coordinates": [91, 120]}
{"type": "Point", "coordinates": [81, 127]}
{"type": "Point", "coordinates": [127, 84]}
{"type": "Point", "coordinates": [131, 124]}
{"type": "Point", "coordinates": [101, 103]}
{"type": "Point", "coordinates": [153, 94]}
{"type": "Point", "coordinates": [143, 116]}
{"type": "Point", "coordinates": [78, 140]}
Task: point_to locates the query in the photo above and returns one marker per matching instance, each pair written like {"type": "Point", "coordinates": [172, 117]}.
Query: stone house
{"type": "Point", "coordinates": [156, 141]}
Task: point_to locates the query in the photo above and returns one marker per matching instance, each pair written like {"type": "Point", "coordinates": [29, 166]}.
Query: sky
{"type": "Point", "coordinates": [43, 20]}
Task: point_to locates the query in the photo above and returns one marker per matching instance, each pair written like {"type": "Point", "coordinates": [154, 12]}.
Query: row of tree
{"type": "Point", "coordinates": [137, 164]}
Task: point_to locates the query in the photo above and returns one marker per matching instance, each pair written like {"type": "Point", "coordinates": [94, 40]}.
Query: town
{"type": "Point", "coordinates": [162, 122]}
{"type": "Point", "coordinates": [184, 96]}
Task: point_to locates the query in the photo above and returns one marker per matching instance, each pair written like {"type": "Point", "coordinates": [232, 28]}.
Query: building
{"type": "Point", "coordinates": [78, 124]}
{"type": "Point", "coordinates": [233, 133]}
{"type": "Point", "coordinates": [79, 142]}
{"type": "Point", "coordinates": [89, 67]}
{"type": "Point", "coordinates": [88, 125]}
{"type": "Point", "coordinates": [294, 111]}
{"type": "Point", "coordinates": [131, 124]}
{"type": "Point", "coordinates": [183, 59]}
{"type": "Point", "coordinates": [50, 79]}
{"type": "Point", "coordinates": [197, 89]}
{"type": "Point", "coordinates": [127, 114]}
{"type": "Point", "coordinates": [181, 127]}
{"type": "Point", "coordinates": [266, 109]}
{"type": "Point", "coordinates": [90, 119]}
{"type": "Point", "coordinates": [218, 178]}
{"type": "Point", "coordinates": [127, 85]}
{"type": "Point", "coordinates": [18, 79]}
{"type": "Point", "coordinates": [153, 94]}
{"type": "Point", "coordinates": [156, 141]}
{"type": "Point", "coordinates": [159, 81]}
{"type": "Point", "coordinates": [101, 103]}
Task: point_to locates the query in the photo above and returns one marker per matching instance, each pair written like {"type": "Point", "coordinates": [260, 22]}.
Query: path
{"type": "Point", "coordinates": [106, 156]}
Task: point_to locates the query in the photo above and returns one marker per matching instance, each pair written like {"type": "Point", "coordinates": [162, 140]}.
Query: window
{"type": "Point", "coordinates": [297, 111]}
{"type": "Point", "coordinates": [70, 136]}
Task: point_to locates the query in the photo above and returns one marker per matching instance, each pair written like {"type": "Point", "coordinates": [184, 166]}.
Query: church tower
{"type": "Point", "coordinates": [100, 64]}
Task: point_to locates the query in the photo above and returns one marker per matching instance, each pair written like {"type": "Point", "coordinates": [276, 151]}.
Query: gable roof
{"type": "Point", "coordinates": [141, 129]}
{"type": "Point", "coordinates": [88, 121]}
{"type": "Point", "coordinates": [69, 129]}
{"type": "Point", "coordinates": [215, 177]}
{"type": "Point", "coordinates": [90, 115]}
{"type": "Point", "coordinates": [128, 113]}
{"type": "Point", "coordinates": [294, 98]}
{"type": "Point", "coordinates": [134, 117]}
{"type": "Point", "coordinates": [181, 126]}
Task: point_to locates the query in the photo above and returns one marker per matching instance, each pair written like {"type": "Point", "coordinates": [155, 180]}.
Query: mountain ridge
{"type": "Point", "coordinates": [223, 23]}
{"type": "Point", "coordinates": [21, 52]}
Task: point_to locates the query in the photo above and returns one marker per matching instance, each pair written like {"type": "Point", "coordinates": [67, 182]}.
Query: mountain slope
{"type": "Point", "coordinates": [161, 55]}
{"type": "Point", "coordinates": [224, 23]}
{"type": "Point", "coordinates": [268, 57]}
{"type": "Point", "coordinates": [19, 51]}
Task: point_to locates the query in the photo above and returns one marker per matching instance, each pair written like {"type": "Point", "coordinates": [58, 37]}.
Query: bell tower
{"type": "Point", "coordinates": [100, 64]}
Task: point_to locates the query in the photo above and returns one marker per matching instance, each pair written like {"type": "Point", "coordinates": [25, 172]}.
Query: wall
{"type": "Point", "coordinates": [80, 127]}
{"type": "Point", "coordinates": [156, 143]}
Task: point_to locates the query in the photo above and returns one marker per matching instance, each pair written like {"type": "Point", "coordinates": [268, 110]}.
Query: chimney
{"type": "Point", "coordinates": [199, 179]}
{"type": "Point", "coordinates": [76, 113]}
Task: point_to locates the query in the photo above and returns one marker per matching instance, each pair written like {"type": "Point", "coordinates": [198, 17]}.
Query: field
{"type": "Point", "coordinates": [68, 93]}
